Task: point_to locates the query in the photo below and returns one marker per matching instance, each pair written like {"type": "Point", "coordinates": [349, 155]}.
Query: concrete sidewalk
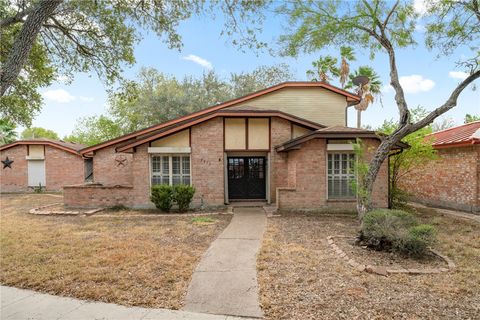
{"type": "Point", "coordinates": [19, 304]}
{"type": "Point", "coordinates": [454, 213]}
{"type": "Point", "coordinates": [225, 281]}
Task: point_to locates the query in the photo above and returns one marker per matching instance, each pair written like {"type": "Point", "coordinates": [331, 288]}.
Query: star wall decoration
{"type": "Point", "coordinates": [121, 161]}
{"type": "Point", "coordinates": [7, 163]}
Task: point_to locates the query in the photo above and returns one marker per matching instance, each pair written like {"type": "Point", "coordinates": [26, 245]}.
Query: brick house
{"type": "Point", "coordinates": [50, 163]}
{"type": "Point", "coordinates": [453, 179]}
{"type": "Point", "coordinates": [287, 144]}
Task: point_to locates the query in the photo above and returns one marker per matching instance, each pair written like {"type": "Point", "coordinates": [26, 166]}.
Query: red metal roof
{"type": "Point", "coordinates": [463, 135]}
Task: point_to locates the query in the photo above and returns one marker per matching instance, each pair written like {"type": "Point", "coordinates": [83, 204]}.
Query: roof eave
{"type": "Point", "coordinates": [30, 142]}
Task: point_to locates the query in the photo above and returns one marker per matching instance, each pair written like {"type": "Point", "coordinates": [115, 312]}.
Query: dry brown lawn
{"type": "Point", "coordinates": [301, 278]}
{"type": "Point", "coordinates": [120, 258]}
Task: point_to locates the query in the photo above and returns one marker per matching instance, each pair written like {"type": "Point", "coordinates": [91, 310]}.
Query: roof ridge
{"type": "Point", "coordinates": [455, 127]}
{"type": "Point", "coordinates": [225, 104]}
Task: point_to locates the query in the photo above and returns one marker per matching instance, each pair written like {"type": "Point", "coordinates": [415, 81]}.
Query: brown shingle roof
{"type": "Point", "coordinates": [64, 145]}
{"type": "Point", "coordinates": [334, 132]}
{"type": "Point", "coordinates": [350, 97]}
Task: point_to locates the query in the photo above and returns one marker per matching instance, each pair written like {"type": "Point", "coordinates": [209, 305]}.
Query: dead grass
{"type": "Point", "coordinates": [300, 277]}
{"type": "Point", "coordinates": [143, 261]}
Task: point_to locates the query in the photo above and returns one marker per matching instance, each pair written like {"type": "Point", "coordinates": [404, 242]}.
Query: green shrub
{"type": "Point", "coordinates": [183, 195]}
{"type": "Point", "coordinates": [417, 240]}
{"type": "Point", "coordinates": [382, 227]}
{"type": "Point", "coordinates": [162, 197]}
{"type": "Point", "coordinates": [396, 230]}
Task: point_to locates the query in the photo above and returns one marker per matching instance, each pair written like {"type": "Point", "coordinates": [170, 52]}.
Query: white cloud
{"type": "Point", "coordinates": [421, 6]}
{"type": "Point", "coordinates": [198, 60]}
{"type": "Point", "coordinates": [458, 75]}
{"type": "Point", "coordinates": [420, 28]}
{"type": "Point", "coordinates": [416, 83]}
{"type": "Point", "coordinates": [59, 95]}
{"type": "Point", "coordinates": [386, 88]}
{"type": "Point", "coordinates": [86, 99]}
{"type": "Point", "coordinates": [63, 78]}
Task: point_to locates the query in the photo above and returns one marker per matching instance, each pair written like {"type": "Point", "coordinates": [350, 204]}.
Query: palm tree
{"type": "Point", "coordinates": [347, 55]}
{"type": "Point", "coordinates": [369, 91]}
{"type": "Point", "coordinates": [325, 68]}
{"type": "Point", "coordinates": [7, 132]}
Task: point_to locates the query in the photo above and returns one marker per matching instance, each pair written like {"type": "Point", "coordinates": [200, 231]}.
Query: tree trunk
{"type": "Point", "coordinates": [364, 204]}
{"type": "Point", "coordinates": [359, 118]}
{"type": "Point", "coordinates": [24, 42]}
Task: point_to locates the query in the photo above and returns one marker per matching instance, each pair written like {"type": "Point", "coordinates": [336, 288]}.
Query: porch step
{"type": "Point", "coordinates": [248, 204]}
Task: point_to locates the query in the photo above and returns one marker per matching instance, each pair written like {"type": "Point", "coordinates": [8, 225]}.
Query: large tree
{"type": "Point", "coordinates": [38, 132]}
{"type": "Point", "coordinates": [386, 27]}
{"type": "Point", "coordinates": [45, 39]}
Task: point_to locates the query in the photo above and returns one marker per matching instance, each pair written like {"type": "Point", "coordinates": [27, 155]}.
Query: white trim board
{"type": "Point", "coordinates": [169, 150]}
{"type": "Point", "coordinates": [339, 147]}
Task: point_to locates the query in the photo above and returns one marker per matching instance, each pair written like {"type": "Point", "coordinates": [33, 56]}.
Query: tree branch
{"type": "Point", "coordinates": [24, 42]}
{"type": "Point", "coordinates": [16, 18]}
{"type": "Point", "coordinates": [449, 104]}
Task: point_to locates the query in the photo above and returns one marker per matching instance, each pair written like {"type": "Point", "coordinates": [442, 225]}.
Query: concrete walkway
{"type": "Point", "coordinates": [19, 304]}
{"type": "Point", "coordinates": [225, 281]}
{"type": "Point", "coordinates": [455, 213]}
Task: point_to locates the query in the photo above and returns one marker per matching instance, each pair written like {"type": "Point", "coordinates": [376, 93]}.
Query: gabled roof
{"type": "Point", "coordinates": [334, 132]}
{"type": "Point", "coordinates": [350, 97]}
{"type": "Point", "coordinates": [219, 113]}
{"type": "Point", "coordinates": [71, 147]}
{"type": "Point", "coordinates": [464, 135]}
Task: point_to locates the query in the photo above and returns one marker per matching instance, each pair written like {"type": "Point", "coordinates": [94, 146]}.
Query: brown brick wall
{"type": "Point", "coordinates": [380, 187]}
{"type": "Point", "coordinates": [14, 179]}
{"type": "Point", "coordinates": [141, 178]}
{"type": "Point", "coordinates": [304, 169]}
{"type": "Point", "coordinates": [94, 196]}
{"type": "Point", "coordinates": [450, 181]}
{"type": "Point", "coordinates": [108, 171]}
{"type": "Point", "coordinates": [281, 131]}
{"type": "Point", "coordinates": [61, 168]}
{"type": "Point", "coordinates": [307, 182]}
{"type": "Point", "coordinates": [207, 162]}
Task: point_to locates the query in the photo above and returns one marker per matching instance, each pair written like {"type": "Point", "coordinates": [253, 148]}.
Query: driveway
{"type": "Point", "coordinates": [225, 281]}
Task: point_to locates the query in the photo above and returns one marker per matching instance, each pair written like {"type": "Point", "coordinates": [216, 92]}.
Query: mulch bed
{"type": "Point", "coordinates": [372, 257]}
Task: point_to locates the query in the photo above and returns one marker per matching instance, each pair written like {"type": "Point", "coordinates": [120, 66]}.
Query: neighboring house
{"type": "Point", "coordinates": [287, 144]}
{"type": "Point", "coordinates": [452, 180]}
{"type": "Point", "coordinates": [51, 164]}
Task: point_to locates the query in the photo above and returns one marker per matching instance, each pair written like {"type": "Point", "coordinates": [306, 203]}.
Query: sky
{"type": "Point", "coordinates": [427, 81]}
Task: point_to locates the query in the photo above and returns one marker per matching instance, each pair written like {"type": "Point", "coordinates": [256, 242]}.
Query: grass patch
{"type": "Point", "coordinates": [129, 260]}
{"type": "Point", "coordinates": [301, 278]}
{"type": "Point", "coordinates": [203, 220]}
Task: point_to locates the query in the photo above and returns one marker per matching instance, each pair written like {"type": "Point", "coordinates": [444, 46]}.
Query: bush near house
{"type": "Point", "coordinates": [396, 230]}
{"type": "Point", "coordinates": [164, 196]}
{"type": "Point", "coordinates": [161, 196]}
{"type": "Point", "coordinates": [183, 195]}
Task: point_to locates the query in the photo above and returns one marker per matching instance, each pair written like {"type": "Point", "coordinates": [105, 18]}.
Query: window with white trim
{"type": "Point", "coordinates": [341, 174]}
{"type": "Point", "coordinates": [170, 169]}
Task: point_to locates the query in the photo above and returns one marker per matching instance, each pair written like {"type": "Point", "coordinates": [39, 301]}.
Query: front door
{"type": "Point", "coordinates": [246, 178]}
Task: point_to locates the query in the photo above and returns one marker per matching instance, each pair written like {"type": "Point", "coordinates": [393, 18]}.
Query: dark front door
{"type": "Point", "coordinates": [246, 177]}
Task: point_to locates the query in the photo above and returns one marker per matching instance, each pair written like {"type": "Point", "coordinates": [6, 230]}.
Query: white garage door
{"type": "Point", "coordinates": [36, 173]}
